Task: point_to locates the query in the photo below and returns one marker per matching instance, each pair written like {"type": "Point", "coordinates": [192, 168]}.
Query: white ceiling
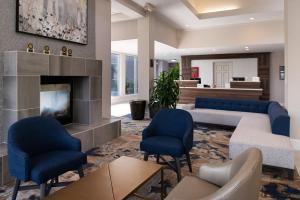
{"type": "Point", "coordinates": [165, 52]}
{"type": "Point", "coordinates": [183, 15]}
{"type": "Point", "coordinates": [120, 12]}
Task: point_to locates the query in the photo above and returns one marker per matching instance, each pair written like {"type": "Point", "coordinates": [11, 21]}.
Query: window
{"type": "Point", "coordinates": [131, 78]}
{"type": "Point", "coordinates": [115, 74]}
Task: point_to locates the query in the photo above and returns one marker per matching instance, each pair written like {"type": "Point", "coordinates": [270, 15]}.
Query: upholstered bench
{"type": "Point", "coordinates": [261, 124]}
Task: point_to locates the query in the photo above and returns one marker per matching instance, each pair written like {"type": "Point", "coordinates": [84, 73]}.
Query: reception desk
{"type": "Point", "coordinates": [188, 94]}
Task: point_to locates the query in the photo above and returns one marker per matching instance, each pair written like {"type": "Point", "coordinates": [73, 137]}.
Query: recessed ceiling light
{"type": "Point", "coordinates": [246, 47]}
{"type": "Point", "coordinates": [187, 25]}
{"type": "Point", "coordinates": [252, 18]}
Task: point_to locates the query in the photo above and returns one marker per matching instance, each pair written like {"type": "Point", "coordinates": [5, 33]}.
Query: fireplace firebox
{"type": "Point", "coordinates": [56, 96]}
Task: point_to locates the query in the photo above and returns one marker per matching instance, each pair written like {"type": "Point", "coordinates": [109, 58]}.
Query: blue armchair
{"type": "Point", "coordinates": [170, 133]}
{"type": "Point", "coordinates": [39, 150]}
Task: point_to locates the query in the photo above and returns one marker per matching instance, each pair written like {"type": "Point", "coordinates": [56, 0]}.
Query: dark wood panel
{"type": "Point", "coordinates": [188, 95]}
{"type": "Point", "coordinates": [263, 64]}
{"type": "Point", "coordinates": [187, 83]}
{"type": "Point", "coordinates": [245, 84]}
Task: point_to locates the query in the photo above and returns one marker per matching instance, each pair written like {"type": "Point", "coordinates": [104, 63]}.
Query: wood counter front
{"type": "Point", "coordinates": [189, 94]}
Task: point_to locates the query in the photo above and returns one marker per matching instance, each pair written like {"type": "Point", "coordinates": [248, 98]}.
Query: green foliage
{"type": "Point", "coordinates": [166, 90]}
{"type": "Point", "coordinates": [174, 72]}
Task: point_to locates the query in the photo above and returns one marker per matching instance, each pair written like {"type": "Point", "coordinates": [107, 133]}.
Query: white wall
{"type": "Point", "coordinates": [241, 68]}
{"type": "Point", "coordinates": [124, 30]}
{"type": "Point", "coordinates": [276, 85]}
{"type": "Point", "coordinates": [292, 84]}
{"type": "Point", "coordinates": [270, 32]}
{"type": "Point", "coordinates": [103, 50]}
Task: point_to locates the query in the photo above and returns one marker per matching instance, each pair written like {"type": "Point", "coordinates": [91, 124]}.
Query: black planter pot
{"type": "Point", "coordinates": [137, 108]}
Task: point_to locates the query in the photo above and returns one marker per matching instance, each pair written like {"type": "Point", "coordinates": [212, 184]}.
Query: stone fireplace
{"type": "Point", "coordinates": [31, 77]}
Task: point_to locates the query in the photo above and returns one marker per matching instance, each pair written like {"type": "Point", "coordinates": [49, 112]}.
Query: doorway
{"type": "Point", "coordinates": [222, 73]}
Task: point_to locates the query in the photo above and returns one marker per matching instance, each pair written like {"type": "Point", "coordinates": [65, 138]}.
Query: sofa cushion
{"type": "Point", "coordinates": [255, 131]}
{"type": "Point", "coordinates": [279, 119]}
{"type": "Point", "coordinates": [192, 188]}
{"type": "Point", "coordinates": [233, 105]}
{"type": "Point", "coordinates": [55, 163]}
{"type": "Point", "coordinates": [220, 117]}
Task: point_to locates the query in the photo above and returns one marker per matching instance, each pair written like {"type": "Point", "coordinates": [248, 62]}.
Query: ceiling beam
{"type": "Point", "coordinates": [133, 6]}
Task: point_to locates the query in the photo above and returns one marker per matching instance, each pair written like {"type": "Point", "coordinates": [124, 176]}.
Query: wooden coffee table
{"type": "Point", "coordinates": [117, 180]}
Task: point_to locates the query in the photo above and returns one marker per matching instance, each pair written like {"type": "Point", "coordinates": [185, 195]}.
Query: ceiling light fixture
{"type": "Point", "coordinates": [187, 25]}
{"type": "Point", "coordinates": [173, 60]}
{"type": "Point", "coordinates": [252, 18]}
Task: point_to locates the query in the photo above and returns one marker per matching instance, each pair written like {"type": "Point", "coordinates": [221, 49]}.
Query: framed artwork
{"type": "Point", "coordinates": [195, 72]}
{"type": "Point", "coordinates": [59, 19]}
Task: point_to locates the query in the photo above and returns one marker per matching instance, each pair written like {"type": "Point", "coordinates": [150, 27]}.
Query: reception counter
{"type": "Point", "coordinates": [188, 94]}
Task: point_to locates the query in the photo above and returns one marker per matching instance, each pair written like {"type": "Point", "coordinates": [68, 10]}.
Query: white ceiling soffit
{"type": "Point", "coordinates": [212, 13]}
{"type": "Point", "coordinates": [165, 52]}
{"type": "Point", "coordinates": [122, 10]}
{"type": "Point", "coordinates": [125, 46]}
{"type": "Point", "coordinates": [168, 53]}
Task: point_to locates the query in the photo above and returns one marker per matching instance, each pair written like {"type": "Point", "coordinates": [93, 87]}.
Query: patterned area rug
{"type": "Point", "coordinates": [210, 145]}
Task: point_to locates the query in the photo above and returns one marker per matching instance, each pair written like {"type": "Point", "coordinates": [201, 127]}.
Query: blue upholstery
{"type": "Point", "coordinates": [233, 105]}
{"type": "Point", "coordinates": [279, 119]}
{"type": "Point", "coordinates": [169, 133]}
{"type": "Point", "coordinates": [39, 148]}
{"type": "Point", "coordinates": [163, 145]}
{"type": "Point", "coordinates": [49, 165]}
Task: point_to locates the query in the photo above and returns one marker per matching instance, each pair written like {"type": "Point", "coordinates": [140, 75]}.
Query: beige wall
{"type": "Point", "coordinates": [271, 32]}
{"type": "Point", "coordinates": [276, 85]}
{"type": "Point", "coordinates": [164, 32]}
{"type": "Point", "coordinates": [292, 94]}
{"type": "Point", "coordinates": [160, 30]}
{"type": "Point", "coordinates": [103, 50]}
{"type": "Point", "coordinates": [124, 30]}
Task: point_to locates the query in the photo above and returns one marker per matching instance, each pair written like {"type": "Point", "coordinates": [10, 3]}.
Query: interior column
{"type": "Point", "coordinates": [103, 50]}
{"type": "Point", "coordinates": [145, 55]}
{"type": "Point", "coordinates": [292, 63]}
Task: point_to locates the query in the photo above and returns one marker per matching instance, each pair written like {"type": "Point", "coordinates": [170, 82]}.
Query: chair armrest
{"type": "Point", "coordinates": [218, 174]}
{"type": "Point", "coordinates": [19, 163]}
{"type": "Point", "coordinates": [70, 143]}
{"type": "Point", "coordinates": [147, 132]}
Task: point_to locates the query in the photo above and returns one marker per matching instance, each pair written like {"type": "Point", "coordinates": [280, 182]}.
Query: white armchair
{"type": "Point", "coordinates": [234, 180]}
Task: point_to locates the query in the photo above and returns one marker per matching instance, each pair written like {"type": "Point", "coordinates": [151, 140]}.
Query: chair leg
{"type": "Point", "coordinates": [16, 189]}
{"type": "Point", "coordinates": [43, 192]}
{"type": "Point", "coordinates": [80, 172]}
{"type": "Point", "coordinates": [157, 158]}
{"type": "Point", "coordinates": [188, 159]}
{"type": "Point", "coordinates": [146, 156]}
{"type": "Point", "coordinates": [178, 169]}
{"type": "Point", "coordinates": [290, 174]}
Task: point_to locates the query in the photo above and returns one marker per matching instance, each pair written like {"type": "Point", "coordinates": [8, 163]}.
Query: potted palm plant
{"type": "Point", "coordinates": [165, 91]}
